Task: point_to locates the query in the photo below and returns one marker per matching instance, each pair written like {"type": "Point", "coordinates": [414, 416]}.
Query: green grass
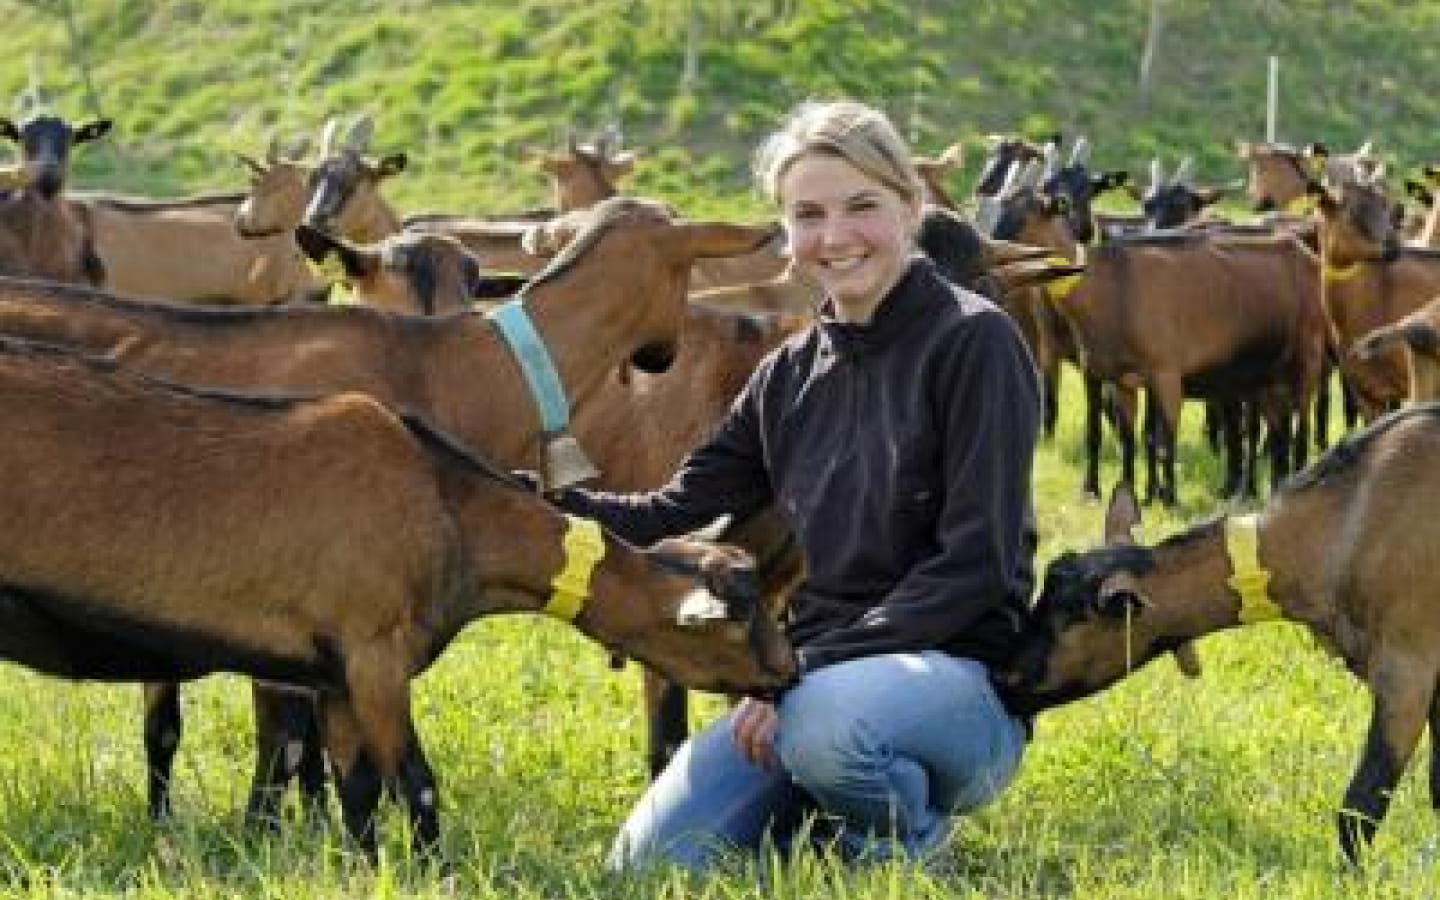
{"type": "Point", "coordinates": [1224, 786]}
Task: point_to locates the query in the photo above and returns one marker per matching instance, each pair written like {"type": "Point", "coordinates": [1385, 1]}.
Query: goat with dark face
{"type": "Point", "coordinates": [1172, 202]}
{"type": "Point", "coordinates": [1342, 548]}
{"type": "Point", "coordinates": [41, 233]}
{"type": "Point", "coordinates": [1078, 186]}
{"type": "Point", "coordinates": [45, 142]}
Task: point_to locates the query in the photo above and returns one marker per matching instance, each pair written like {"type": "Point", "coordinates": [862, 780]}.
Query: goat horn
{"type": "Point", "coordinates": [1080, 153]}
{"type": "Point", "coordinates": [1157, 173]}
{"type": "Point", "coordinates": [298, 149]}
{"type": "Point", "coordinates": [327, 136]}
{"type": "Point", "coordinates": [1012, 181]}
{"type": "Point", "coordinates": [1365, 150]}
{"type": "Point", "coordinates": [360, 133]}
{"type": "Point", "coordinates": [609, 141]}
{"type": "Point", "coordinates": [1031, 176]}
{"type": "Point", "coordinates": [1183, 172]}
{"type": "Point", "coordinates": [1052, 161]}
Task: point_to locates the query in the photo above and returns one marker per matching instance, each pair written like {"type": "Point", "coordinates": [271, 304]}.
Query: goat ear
{"type": "Point", "coordinates": [92, 130]}
{"type": "Point", "coordinates": [622, 163]}
{"type": "Point", "coordinates": [1110, 180]}
{"type": "Point", "coordinates": [714, 530]}
{"type": "Point", "coordinates": [1121, 515]}
{"type": "Point", "coordinates": [1210, 196]}
{"type": "Point", "coordinates": [1187, 659]}
{"type": "Point", "coordinates": [393, 164]}
{"type": "Point", "coordinates": [316, 244]}
{"type": "Point", "coordinates": [1120, 596]}
{"type": "Point", "coordinates": [1321, 194]}
{"type": "Point", "coordinates": [699, 607]}
{"type": "Point", "coordinates": [952, 157]}
{"type": "Point", "coordinates": [250, 163]}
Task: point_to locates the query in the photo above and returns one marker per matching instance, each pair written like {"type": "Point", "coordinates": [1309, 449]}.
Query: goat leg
{"type": "Point", "coordinates": [287, 745]}
{"type": "Point", "coordinates": [1435, 751]}
{"type": "Point", "coordinates": [421, 794]}
{"type": "Point", "coordinates": [667, 716]}
{"type": "Point", "coordinates": [1165, 404]}
{"type": "Point", "coordinates": [358, 781]}
{"type": "Point", "coordinates": [1094, 402]}
{"type": "Point", "coordinates": [1396, 720]}
{"type": "Point", "coordinates": [162, 739]}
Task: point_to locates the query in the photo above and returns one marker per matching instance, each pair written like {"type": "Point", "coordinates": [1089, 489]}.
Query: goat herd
{"type": "Point", "coordinates": [207, 466]}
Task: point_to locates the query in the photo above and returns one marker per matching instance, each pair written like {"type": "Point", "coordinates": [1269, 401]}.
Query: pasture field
{"type": "Point", "coordinates": [1163, 787]}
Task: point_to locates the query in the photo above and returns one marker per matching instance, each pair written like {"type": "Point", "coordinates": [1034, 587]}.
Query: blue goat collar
{"type": "Point", "coordinates": [514, 325]}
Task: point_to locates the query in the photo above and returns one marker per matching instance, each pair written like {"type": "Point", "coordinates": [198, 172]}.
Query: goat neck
{"type": "Point", "coordinates": [682, 609]}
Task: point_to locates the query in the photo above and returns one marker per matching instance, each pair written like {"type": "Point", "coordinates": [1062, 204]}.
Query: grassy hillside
{"type": "Point", "coordinates": [463, 86]}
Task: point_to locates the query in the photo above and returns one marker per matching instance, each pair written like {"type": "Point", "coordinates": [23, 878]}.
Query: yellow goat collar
{"type": "Point", "coordinates": [1249, 578]}
{"type": "Point", "coordinates": [1341, 273]}
{"type": "Point", "coordinates": [584, 547]}
{"type": "Point", "coordinates": [1061, 287]}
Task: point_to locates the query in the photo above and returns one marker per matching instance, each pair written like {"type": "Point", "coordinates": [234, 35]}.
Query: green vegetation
{"type": "Point", "coordinates": [462, 87]}
{"type": "Point", "coordinates": [1224, 787]}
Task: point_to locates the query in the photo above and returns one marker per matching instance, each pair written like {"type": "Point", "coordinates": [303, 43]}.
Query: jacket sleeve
{"type": "Point", "coordinates": [725, 475]}
{"type": "Point", "coordinates": [985, 395]}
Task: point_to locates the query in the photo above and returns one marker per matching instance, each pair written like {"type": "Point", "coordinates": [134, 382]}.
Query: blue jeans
{"type": "Point", "coordinates": [877, 754]}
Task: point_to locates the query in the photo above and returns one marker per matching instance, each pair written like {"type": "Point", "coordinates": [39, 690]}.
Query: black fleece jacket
{"type": "Point", "coordinates": [900, 450]}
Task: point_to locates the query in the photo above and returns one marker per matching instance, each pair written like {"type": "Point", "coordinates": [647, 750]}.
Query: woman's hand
{"type": "Point", "coordinates": [754, 724]}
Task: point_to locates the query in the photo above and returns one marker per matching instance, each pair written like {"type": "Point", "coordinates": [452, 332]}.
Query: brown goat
{"type": "Point", "coordinates": [424, 274]}
{"type": "Point", "coordinates": [1279, 175]}
{"type": "Point", "coordinates": [44, 234]}
{"type": "Point", "coordinates": [187, 250]}
{"type": "Point", "coordinates": [618, 290]}
{"type": "Point", "coordinates": [1201, 315]}
{"type": "Point", "coordinates": [1370, 280]}
{"type": "Point", "coordinates": [202, 533]}
{"type": "Point", "coordinates": [1340, 548]}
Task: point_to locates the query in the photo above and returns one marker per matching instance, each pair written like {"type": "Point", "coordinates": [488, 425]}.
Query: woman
{"type": "Point", "coordinates": [897, 435]}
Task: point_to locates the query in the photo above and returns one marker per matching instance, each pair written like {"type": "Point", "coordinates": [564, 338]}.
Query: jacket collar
{"type": "Point", "coordinates": [906, 304]}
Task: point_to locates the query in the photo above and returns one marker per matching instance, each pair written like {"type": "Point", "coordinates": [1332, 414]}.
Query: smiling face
{"type": "Point", "coordinates": [851, 233]}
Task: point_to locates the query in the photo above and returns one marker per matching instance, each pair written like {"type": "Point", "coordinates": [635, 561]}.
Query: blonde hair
{"type": "Point", "coordinates": [859, 134]}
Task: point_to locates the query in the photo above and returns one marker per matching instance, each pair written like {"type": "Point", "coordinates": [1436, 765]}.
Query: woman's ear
{"type": "Point", "coordinates": [916, 206]}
